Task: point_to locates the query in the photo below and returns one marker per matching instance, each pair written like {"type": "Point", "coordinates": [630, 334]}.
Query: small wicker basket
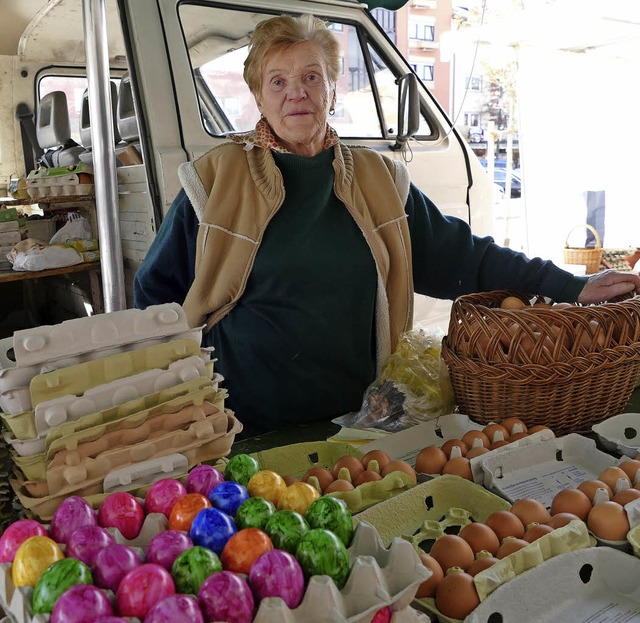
{"type": "Point", "coordinates": [565, 367]}
{"type": "Point", "coordinates": [589, 257]}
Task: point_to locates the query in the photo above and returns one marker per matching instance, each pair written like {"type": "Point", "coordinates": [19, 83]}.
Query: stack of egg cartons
{"type": "Point", "coordinates": [9, 235]}
{"type": "Point", "coordinates": [109, 403]}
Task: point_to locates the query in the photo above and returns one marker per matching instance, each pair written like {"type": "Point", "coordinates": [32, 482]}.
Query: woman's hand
{"type": "Point", "coordinates": [608, 284]}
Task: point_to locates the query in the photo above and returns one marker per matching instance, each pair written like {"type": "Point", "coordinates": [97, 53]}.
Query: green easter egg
{"type": "Point", "coordinates": [192, 567]}
{"type": "Point", "coordinates": [254, 513]}
{"type": "Point", "coordinates": [331, 514]}
{"type": "Point", "coordinates": [55, 580]}
{"type": "Point", "coordinates": [240, 468]}
{"type": "Point", "coordinates": [285, 528]}
{"type": "Point", "coordinates": [320, 552]}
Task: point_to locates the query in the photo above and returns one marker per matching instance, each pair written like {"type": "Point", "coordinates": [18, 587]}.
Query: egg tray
{"type": "Point", "coordinates": [118, 477]}
{"type": "Point", "coordinates": [197, 435]}
{"type": "Point", "coordinates": [128, 415]}
{"type": "Point", "coordinates": [620, 434]}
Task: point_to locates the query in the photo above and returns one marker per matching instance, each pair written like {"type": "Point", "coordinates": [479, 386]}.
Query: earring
{"type": "Point", "coordinates": [332, 111]}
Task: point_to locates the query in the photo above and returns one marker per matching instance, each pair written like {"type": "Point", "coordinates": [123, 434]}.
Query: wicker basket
{"type": "Point", "coordinates": [566, 367]}
{"type": "Point", "coordinates": [589, 257]}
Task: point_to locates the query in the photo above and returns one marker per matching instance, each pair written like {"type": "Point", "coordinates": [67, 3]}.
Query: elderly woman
{"type": "Point", "coordinates": [301, 254]}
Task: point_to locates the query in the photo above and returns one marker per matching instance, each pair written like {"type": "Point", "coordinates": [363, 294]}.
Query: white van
{"type": "Point", "coordinates": [176, 90]}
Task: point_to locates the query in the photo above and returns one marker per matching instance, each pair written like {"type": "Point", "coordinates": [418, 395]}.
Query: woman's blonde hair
{"type": "Point", "coordinates": [278, 33]}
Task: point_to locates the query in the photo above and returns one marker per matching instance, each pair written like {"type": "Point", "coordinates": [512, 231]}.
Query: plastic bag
{"type": "Point", "coordinates": [75, 228]}
{"type": "Point", "coordinates": [30, 254]}
{"type": "Point", "coordinates": [412, 388]}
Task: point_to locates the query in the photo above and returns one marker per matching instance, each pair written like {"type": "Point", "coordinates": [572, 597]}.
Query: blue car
{"type": "Point", "coordinates": [500, 176]}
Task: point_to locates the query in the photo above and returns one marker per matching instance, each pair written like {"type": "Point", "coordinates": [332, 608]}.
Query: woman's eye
{"type": "Point", "coordinates": [277, 83]}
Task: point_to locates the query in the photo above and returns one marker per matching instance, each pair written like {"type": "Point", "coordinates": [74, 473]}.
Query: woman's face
{"type": "Point", "coordinates": [296, 97]}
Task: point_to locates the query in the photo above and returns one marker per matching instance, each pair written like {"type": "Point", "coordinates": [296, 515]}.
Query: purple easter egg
{"type": "Point", "coordinates": [166, 546]}
{"type": "Point", "coordinates": [74, 512]}
{"type": "Point", "coordinates": [162, 495]}
{"type": "Point", "coordinates": [202, 478]}
{"type": "Point", "coordinates": [16, 534]}
{"type": "Point", "coordinates": [111, 564]}
{"type": "Point", "coordinates": [122, 510]}
{"type": "Point", "coordinates": [175, 609]}
{"type": "Point", "coordinates": [143, 588]}
{"type": "Point", "coordinates": [82, 603]}
{"type": "Point", "coordinates": [112, 619]}
{"type": "Point", "coordinates": [85, 542]}
{"type": "Point", "coordinates": [225, 596]}
{"type": "Point", "coordinates": [277, 573]}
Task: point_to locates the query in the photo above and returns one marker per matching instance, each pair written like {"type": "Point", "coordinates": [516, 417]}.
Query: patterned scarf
{"type": "Point", "coordinates": [263, 136]}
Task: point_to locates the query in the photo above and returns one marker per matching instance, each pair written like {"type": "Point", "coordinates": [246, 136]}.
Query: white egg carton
{"type": "Point", "coordinates": [9, 238]}
{"type": "Point", "coordinates": [620, 433]}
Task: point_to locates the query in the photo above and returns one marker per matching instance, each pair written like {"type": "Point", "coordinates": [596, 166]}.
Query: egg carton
{"type": "Point", "coordinates": [11, 225]}
{"type": "Point", "coordinates": [9, 238]}
{"type": "Point", "coordinates": [137, 411]}
{"type": "Point", "coordinates": [620, 434]}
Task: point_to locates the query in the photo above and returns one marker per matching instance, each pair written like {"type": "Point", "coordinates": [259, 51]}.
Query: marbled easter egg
{"type": "Point", "coordinates": [191, 568]}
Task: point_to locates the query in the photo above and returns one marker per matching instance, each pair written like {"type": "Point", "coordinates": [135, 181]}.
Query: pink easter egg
{"type": "Point", "coordinates": [72, 513]}
{"type": "Point", "coordinates": [85, 543]}
{"type": "Point", "coordinates": [162, 495]}
{"type": "Point", "coordinates": [175, 609]}
{"type": "Point", "coordinates": [166, 546]}
{"type": "Point", "coordinates": [142, 588]}
{"type": "Point", "coordinates": [225, 596]}
{"type": "Point", "coordinates": [82, 603]}
{"type": "Point", "coordinates": [16, 534]}
{"type": "Point", "coordinates": [111, 564]}
{"type": "Point", "coordinates": [202, 478]}
{"type": "Point", "coordinates": [122, 510]}
{"type": "Point", "coordinates": [277, 573]}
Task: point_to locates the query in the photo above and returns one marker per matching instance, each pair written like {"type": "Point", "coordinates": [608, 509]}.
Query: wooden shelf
{"type": "Point", "coordinates": [46, 200]}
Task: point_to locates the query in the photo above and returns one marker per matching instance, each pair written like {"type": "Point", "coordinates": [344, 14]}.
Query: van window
{"type": "Point", "coordinates": [73, 87]}
{"type": "Point", "coordinates": [217, 40]}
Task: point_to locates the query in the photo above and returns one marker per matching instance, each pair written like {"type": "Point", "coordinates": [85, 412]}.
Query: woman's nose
{"type": "Point", "coordinates": [296, 90]}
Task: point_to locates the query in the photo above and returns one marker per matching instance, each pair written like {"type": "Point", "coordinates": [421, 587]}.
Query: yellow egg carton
{"type": "Point", "coordinates": [125, 417]}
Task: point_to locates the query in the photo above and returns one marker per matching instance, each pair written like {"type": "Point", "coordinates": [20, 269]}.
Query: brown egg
{"type": "Point", "coordinates": [536, 530]}
{"type": "Point", "coordinates": [456, 595]}
{"type": "Point", "coordinates": [322, 474]}
{"type": "Point", "coordinates": [430, 460]}
{"type": "Point", "coordinates": [370, 476]}
{"type": "Point", "coordinates": [625, 496]}
{"type": "Point", "coordinates": [514, 425]}
{"type": "Point", "coordinates": [495, 432]}
{"type": "Point", "coordinates": [612, 475]}
{"type": "Point", "coordinates": [428, 587]}
{"type": "Point", "coordinates": [339, 485]}
{"type": "Point", "coordinates": [529, 510]}
{"type": "Point", "coordinates": [382, 458]}
{"type": "Point", "coordinates": [608, 521]}
{"type": "Point", "coordinates": [537, 428]}
{"type": "Point", "coordinates": [630, 468]}
{"type": "Point", "coordinates": [512, 302]}
{"type": "Point", "coordinates": [571, 501]}
{"type": "Point", "coordinates": [483, 561]}
{"type": "Point", "coordinates": [561, 519]}
{"type": "Point", "coordinates": [473, 438]}
{"type": "Point", "coordinates": [498, 444]}
{"type": "Point", "coordinates": [510, 545]}
{"type": "Point", "coordinates": [516, 436]}
{"type": "Point", "coordinates": [289, 479]}
{"type": "Point", "coordinates": [400, 466]}
{"type": "Point", "coordinates": [590, 487]}
{"type": "Point", "coordinates": [352, 463]}
{"type": "Point", "coordinates": [504, 524]}
{"type": "Point", "coordinates": [474, 452]}
{"type": "Point", "coordinates": [459, 466]}
{"type": "Point", "coordinates": [451, 550]}
{"type": "Point", "coordinates": [480, 537]}
{"type": "Point", "coordinates": [450, 443]}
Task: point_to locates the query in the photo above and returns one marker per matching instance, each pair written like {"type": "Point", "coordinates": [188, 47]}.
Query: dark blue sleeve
{"type": "Point", "coordinates": [167, 271]}
{"type": "Point", "coordinates": [448, 260]}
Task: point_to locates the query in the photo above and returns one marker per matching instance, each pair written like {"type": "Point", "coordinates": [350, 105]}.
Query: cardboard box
{"type": "Point", "coordinates": [620, 434]}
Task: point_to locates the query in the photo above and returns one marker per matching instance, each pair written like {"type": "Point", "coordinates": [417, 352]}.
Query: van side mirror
{"type": "Point", "coordinates": [408, 109]}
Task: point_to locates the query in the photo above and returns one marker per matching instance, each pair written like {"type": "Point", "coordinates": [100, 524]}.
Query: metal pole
{"type": "Point", "coordinates": [104, 160]}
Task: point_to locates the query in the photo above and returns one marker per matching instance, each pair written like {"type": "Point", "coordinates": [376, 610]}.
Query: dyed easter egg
{"type": "Point", "coordinates": [175, 609]}
{"type": "Point", "coordinates": [331, 514]}
{"type": "Point", "coordinates": [240, 468]}
{"type": "Point", "coordinates": [111, 564]}
{"type": "Point", "coordinates": [285, 529]}
{"type": "Point", "coordinates": [72, 513]}
{"type": "Point", "coordinates": [55, 580]}
{"type": "Point", "coordinates": [254, 513]}
{"type": "Point", "coordinates": [162, 495]}
{"type": "Point", "coordinates": [320, 552]}
{"type": "Point", "coordinates": [16, 534]}
{"type": "Point", "coordinates": [142, 588]}
{"type": "Point", "coordinates": [121, 510]}
{"type": "Point", "coordinates": [203, 478]}
{"type": "Point", "coordinates": [193, 567]}
{"type": "Point", "coordinates": [297, 497]}
{"type": "Point", "coordinates": [226, 596]}
{"type": "Point", "coordinates": [86, 541]}
{"type": "Point", "coordinates": [185, 509]}
{"type": "Point", "coordinates": [383, 615]}
{"type": "Point", "coordinates": [166, 546]}
{"type": "Point", "coordinates": [32, 558]}
{"type": "Point", "coordinates": [243, 548]}
{"type": "Point", "coordinates": [111, 619]}
{"type": "Point", "coordinates": [228, 496]}
{"type": "Point", "coordinates": [268, 485]}
{"type": "Point", "coordinates": [82, 603]}
{"type": "Point", "coordinates": [277, 573]}
{"type": "Point", "coordinates": [212, 528]}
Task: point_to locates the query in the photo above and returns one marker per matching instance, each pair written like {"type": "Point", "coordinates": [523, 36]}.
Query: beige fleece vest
{"type": "Point", "coordinates": [235, 193]}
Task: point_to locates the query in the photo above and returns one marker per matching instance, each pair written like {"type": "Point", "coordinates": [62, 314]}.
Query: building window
{"type": "Point", "coordinates": [472, 119]}
{"type": "Point", "coordinates": [421, 32]}
{"type": "Point", "coordinates": [424, 71]}
{"type": "Point", "coordinates": [335, 26]}
{"type": "Point", "coordinates": [474, 83]}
